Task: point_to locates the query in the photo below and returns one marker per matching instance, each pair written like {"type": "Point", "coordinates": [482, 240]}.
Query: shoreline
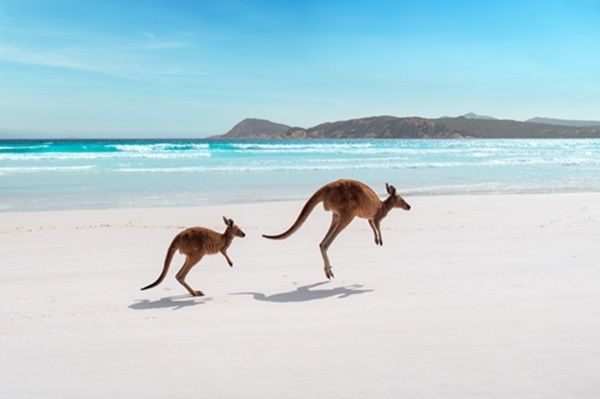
{"type": "Point", "coordinates": [288, 200]}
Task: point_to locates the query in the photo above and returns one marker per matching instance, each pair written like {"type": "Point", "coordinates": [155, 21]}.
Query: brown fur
{"type": "Point", "coordinates": [346, 199]}
{"type": "Point", "coordinates": [194, 243]}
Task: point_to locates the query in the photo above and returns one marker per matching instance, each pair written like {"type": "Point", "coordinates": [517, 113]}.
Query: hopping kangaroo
{"type": "Point", "coordinates": [194, 243]}
{"type": "Point", "coordinates": [347, 199]}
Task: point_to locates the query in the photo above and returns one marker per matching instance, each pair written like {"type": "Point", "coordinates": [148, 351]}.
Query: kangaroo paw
{"type": "Point", "coordinates": [329, 273]}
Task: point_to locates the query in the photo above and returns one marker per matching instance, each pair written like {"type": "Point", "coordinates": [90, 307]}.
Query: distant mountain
{"type": "Point", "coordinates": [256, 129]}
{"type": "Point", "coordinates": [392, 127]}
{"type": "Point", "coordinates": [562, 122]}
{"type": "Point", "coordinates": [372, 127]}
{"type": "Point", "coordinates": [471, 115]}
{"type": "Point", "coordinates": [377, 127]}
{"type": "Point", "coordinates": [504, 128]}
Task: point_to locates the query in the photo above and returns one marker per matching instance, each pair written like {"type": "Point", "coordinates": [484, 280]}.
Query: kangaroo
{"type": "Point", "coordinates": [194, 243]}
{"type": "Point", "coordinates": [346, 199]}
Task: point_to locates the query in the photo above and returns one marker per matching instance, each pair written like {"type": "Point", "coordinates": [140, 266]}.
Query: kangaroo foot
{"type": "Point", "coordinates": [377, 241]}
{"type": "Point", "coordinates": [198, 293]}
{"type": "Point", "coordinates": [329, 273]}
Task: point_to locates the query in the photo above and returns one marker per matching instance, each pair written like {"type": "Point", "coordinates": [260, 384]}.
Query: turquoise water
{"type": "Point", "coordinates": [38, 175]}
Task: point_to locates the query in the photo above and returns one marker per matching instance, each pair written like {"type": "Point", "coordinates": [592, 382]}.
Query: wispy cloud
{"type": "Point", "coordinates": [48, 58]}
{"type": "Point", "coordinates": [128, 62]}
{"type": "Point", "coordinates": [162, 45]}
{"type": "Point", "coordinates": [137, 57]}
{"type": "Point", "coordinates": [157, 42]}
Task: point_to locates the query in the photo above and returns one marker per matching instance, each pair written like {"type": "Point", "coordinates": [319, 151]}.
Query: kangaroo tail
{"type": "Point", "coordinates": [168, 258]}
{"type": "Point", "coordinates": [308, 207]}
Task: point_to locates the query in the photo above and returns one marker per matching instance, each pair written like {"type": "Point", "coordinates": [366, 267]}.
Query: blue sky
{"type": "Point", "coordinates": [194, 68]}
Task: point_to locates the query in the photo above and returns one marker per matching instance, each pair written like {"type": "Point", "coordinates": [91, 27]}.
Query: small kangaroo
{"type": "Point", "coordinates": [346, 199]}
{"type": "Point", "coordinates": [194, 243]}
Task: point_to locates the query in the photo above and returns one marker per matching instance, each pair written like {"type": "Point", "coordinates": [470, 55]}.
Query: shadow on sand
{"type": "Point", "coordinates": [174, 302]}
{"type": "Point", "coordinates": [307, 293]}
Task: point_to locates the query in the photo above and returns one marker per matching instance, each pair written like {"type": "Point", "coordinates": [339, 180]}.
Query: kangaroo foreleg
{"type": "Point", "coordinates": [376, 232]}
{"type": "Point", "coordinates": [229, 261]}
{"type": "Point", "coordinates": [377, 224]}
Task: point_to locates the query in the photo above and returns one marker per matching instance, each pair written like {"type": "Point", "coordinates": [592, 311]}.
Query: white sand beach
{"type": "Point", "coordinates": [470, 297]}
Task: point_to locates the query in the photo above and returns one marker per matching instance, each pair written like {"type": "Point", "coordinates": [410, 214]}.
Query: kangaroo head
{"type": "Point", "coordinates": [395, 198]}
{"type": "Point", "coordinates": [233, 228]}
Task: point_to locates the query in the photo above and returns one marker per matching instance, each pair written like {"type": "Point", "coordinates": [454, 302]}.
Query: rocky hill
{"type": "Point", "coordinates": [509, 129]}
{"type": "Point", "coordinates": [391, 127]}
{"type": "Point", "coordinates": [377, 127]}
{"type": "Point", "coordinates": [252, 128]}
{"type": "Point", "coordinates": [372, 127]}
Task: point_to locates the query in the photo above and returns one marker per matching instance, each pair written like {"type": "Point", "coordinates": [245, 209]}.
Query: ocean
{"type": "Point", "coordinates": [79, 174]}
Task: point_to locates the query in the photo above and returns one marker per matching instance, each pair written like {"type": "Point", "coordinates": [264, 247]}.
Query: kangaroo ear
{"type": "Point", "coordinates": [391, 190]}
{"type": "Point", "coordinates": [226, 221]}
{"type": "Point", "coordinates": [230, 222]}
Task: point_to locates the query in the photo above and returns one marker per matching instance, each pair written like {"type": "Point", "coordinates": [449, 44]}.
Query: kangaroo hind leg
{"type": "Point", "coordinates": [334, 220]}
{"type": "Point", "coordinates": [190, 262]}
{"type": "Point", "coordinates": [338, 224]}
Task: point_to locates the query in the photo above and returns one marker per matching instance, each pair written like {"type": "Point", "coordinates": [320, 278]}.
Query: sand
{"type": "Point", "coordinates": [470, 297]}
